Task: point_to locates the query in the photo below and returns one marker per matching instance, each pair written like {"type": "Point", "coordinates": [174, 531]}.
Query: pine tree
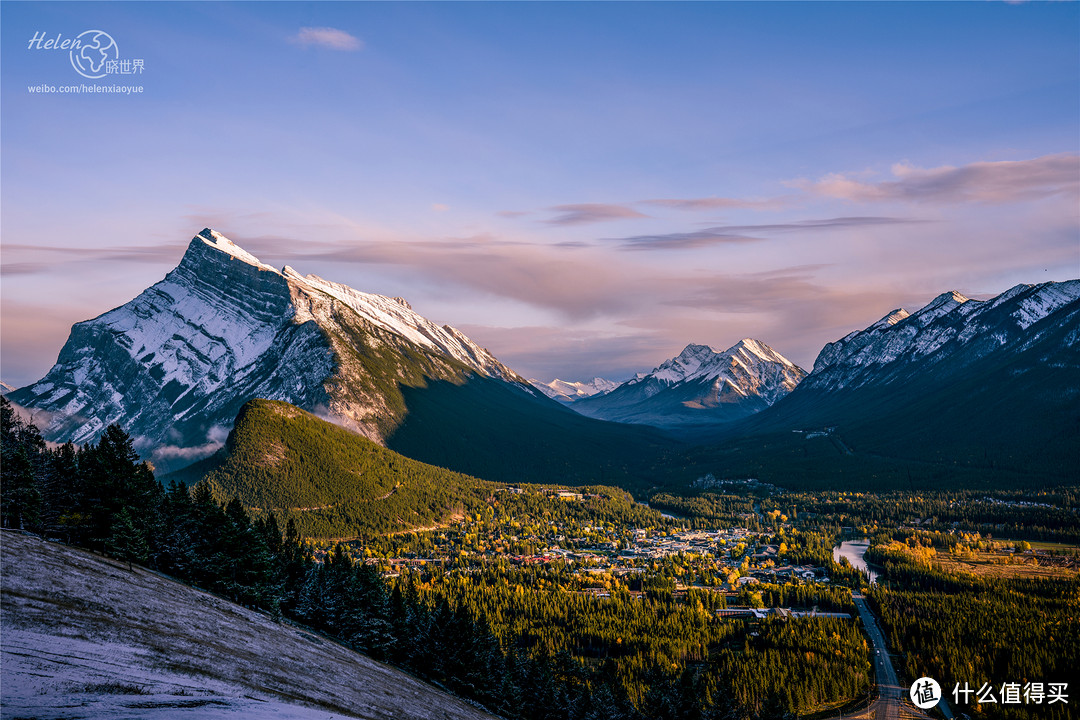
{"type": "Point", "coordinates": [127, 541]}
{"type": "Point", "coordinates": [63, 494]}
{"type": "Point", "coordinates": [21, 497]}
{"type": "Point", "coordinates": [20, 449]}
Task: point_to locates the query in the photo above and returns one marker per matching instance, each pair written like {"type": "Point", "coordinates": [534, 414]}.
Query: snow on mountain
{"type": "Point", "coordinates": [568, 392]}
{"type": "Point", "coordinates": [738, 365]}
{"type": "Point", "coordinates": [174, 365]}
{"type": "Point", "coordinates": [397, 316]}
{"type": "Point", "coordinates": [700, 385]}
{"type": "Point", "coordinates": [133, 645]}
{"type": "Point", "coordinates": [5, 388]}
{"type": "Point", "coordinates": [949, 332]}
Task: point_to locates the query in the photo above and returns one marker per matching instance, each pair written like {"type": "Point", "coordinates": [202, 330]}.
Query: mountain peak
{"type": "Point", "coordinates": [759, 350]}
{"type": "Point", "coordinates": [891, 319]}
{"type": "Point", "coordinates": [701, 385]}
{"type": "Point", "coordinates": [706, 362]}
{"type": "Point", "coordinates": [948, 299]}
{"type": "Point", "coordinates": [568, 392]}
{"type": "Point", "coordinates": [694, 350]}
{"type": "Point", "coordinates": [209, 239]}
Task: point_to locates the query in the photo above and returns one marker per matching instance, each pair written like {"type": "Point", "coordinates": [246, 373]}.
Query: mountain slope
{"type": "Point", "coordinates": [960, 392]}
{"type": "Point", "coordinates": [134, 645]}
{"type": "Point", "coordinates": [701, 385]}
{"type": "Point", "coordinates": [175, 365]}
{"type": "Point", "coordinates": [510, 440]}
{"type": "Point", "coordinates": [332, 482]}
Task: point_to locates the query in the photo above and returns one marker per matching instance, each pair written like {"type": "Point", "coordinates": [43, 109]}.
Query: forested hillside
{"type": "Point", "coordinates": [332, 482]}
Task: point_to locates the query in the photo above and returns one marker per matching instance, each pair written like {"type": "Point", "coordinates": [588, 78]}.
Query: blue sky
{"type": "Point", "coordinates": [584, 188]}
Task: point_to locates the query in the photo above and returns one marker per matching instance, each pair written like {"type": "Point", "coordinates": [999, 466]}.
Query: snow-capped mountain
{"type": "Point", "coordinates": [5, 388]}
{"type": "Point", "coordinates": [701, 385]}
{"type": "Point", "coordinates": [174, 365]}
{"type": "Point", "coordinates": [958, 391]}
{"type": "Point", "coordinates": [946, 335]}
{"type": "Point", "coordinates": [568, 392]}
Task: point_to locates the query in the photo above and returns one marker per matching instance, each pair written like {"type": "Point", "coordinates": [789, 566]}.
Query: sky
{"type": "Point", "coordinates": [582, 188]}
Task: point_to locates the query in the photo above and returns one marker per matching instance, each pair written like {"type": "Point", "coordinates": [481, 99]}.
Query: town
{"type": "Point", "coordinates": [578, 531]}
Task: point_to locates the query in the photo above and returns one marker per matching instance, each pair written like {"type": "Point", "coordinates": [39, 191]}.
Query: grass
{"type": "Point", "coordinates": [993, 565]}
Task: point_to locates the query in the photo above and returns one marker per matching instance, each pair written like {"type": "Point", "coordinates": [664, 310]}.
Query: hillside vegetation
{"type": "Point", "coordinates": [330, 481]}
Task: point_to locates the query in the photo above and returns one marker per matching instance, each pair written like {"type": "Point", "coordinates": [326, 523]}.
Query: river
{"type": "Point", "coordinates": [854, 550]}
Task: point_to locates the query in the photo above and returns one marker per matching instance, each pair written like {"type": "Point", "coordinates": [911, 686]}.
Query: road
{"type": "Point", "coordinates": [892, 702]}
{"type": "Point", "coordinates": [890, 694]}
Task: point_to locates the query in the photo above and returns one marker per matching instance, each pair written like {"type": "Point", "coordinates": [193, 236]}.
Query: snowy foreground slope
{"type": "Point", "coordinates": [84, 637]}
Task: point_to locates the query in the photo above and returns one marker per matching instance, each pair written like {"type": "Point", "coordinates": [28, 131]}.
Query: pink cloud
{"type": "Point", "coordinates": [327, 37]}
{"type": "Point", "coordinates": [590, 213]}
{"type": "Point", "coordinates": [718, 203]}
{"type": "Point", "coordinates": [1001, 182]}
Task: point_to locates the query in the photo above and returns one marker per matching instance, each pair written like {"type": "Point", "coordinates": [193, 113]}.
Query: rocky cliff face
{"type": "Point", "coordinates": [174, 365]}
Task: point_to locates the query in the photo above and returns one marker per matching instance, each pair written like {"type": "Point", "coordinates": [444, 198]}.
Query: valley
{"type": "Point", "coordinates": [545, 601]}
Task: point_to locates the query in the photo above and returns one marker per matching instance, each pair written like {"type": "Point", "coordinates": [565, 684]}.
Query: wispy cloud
{"type": "Point", "coordinates": [685, 240]}
{"type": "Point", "coordinates": [547, 352]}
{"type": "Point", "coordinates": [22, 268]}
{"type": "Point", "coordinates": [718, 203]}
{"type": "Point", "coordinates": [327, 37]}
{"type": "Point", "coordinates": [34, 259]}
{"type": "Point", "coordinates": [526, 272]}
{"type": "Point", "coordinates": [583, 213]}
{"type": "Point", "coordinates": [1007, 181]}
{"type": "Point", "coordinates": [726, 234]}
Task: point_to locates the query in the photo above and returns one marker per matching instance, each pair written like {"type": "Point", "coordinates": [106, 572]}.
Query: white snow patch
{"type": "Point", "coordinates": [223, 244]}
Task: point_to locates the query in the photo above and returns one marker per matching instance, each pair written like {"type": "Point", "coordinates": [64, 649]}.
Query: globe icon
{"type": "Point", "coordinates": [93, 50]}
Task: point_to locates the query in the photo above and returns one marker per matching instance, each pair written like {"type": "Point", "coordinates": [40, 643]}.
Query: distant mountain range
{"type": "Point", "coordinates": [568, 392]}
{"type": "Point", "coordinates": [701, 385]}
{"type": "Point", "coordinates": [989, 387]}
{"type": "Point", "coordinates": [950, 334]}
{"type": "Point", "coordinates": [960, 391]}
